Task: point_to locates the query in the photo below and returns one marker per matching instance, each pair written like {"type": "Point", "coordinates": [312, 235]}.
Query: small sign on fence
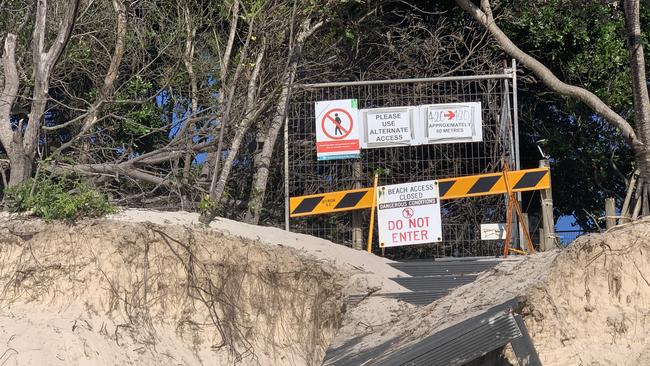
{"type": "Point", "coordinates": [408, 214]}
{"type": "Point", "coordinates": [421, 125]}
{"type": "Point", "coordinates": [493, 231]}
{"type": "Point", "coordinates": [385, 127]}
{"type": "Point", "coordinates": [447, 123]}
{"type": "Point", "coordinates": [337, 129]}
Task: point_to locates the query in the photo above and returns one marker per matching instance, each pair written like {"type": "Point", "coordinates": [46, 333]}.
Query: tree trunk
{"type": "Point", "coordinates": [642, 160]}
{"type": "Point", "coordinates": [21, 144]}
{"type": "Point", "coordinates": [263, 163]}
{"type": "Point", "coordinates": [21, 168]}
{"type": "Point", "coordinates": [212, 162]}
{"type": "Point", "coordinates": [251, 112]}
{"type": "Point", "coordinates": [189, 66]}
{"type": "Point", "coordinates": [639, 87]}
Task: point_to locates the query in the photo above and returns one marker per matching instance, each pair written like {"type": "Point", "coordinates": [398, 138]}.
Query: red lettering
{"type": "Point", "coordinates": [397, 224]}
{"type": "Point", "coordinates": [418, 222]}
{"type": "Point", "coordinates": [415, 235]}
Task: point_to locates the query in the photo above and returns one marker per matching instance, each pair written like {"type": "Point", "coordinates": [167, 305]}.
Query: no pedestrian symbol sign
{"type": "Point", "coordinates": [337, 135]}
{"type": "Point", "coordinates": [409, 214]}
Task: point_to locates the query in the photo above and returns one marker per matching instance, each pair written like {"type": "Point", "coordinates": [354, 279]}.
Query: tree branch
{"type": "Point", "coordinates": [547, 76]}
{"type": "Point", "coordinates": [67, 22]}
{"type": "Point", "coordinates": [125, 169]}
{"type": "Point", "coordinates": [107, 89]}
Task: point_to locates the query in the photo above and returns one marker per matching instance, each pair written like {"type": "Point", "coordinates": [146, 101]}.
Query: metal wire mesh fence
{"type": "Point", "coordinates": [566, 237]}
{"type": "Point", "coordinates": [461, 218]}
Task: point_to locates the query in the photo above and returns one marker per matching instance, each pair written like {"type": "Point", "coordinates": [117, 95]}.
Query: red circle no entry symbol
{"type": "Point", "coordinates": [407, 213]}
{"type": "Point", "coordinates": [338, 120]}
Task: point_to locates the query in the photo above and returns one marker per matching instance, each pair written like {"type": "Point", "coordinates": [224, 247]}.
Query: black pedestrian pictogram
{"type": "Point", "coordinates": [407, 213]}
{"type": "Point", "coordinates": [342, 122]}
{"type": "Point", "coordinates": [337, 130]}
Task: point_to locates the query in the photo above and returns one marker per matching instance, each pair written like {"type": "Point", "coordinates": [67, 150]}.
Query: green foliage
{"type": "Point", "coordinates": [583, 43]}
{"type": "Point", "coordinates": [382, 172]}
{"type": "Point", "coordinates": [62, 198]}
{"type": "Point", "coordinates": [207, 205]}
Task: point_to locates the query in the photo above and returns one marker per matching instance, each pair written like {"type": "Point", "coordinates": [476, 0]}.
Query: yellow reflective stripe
{"type": "Point", "coordinates": [340, 201]}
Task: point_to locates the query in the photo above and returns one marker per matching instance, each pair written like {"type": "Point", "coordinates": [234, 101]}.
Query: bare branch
{"type": "Point", "coordinates": [225, 59]}
{"type": "Point", "coordinates": [67, 22]}
{"type": "Point", "coordinates": [107, 89]}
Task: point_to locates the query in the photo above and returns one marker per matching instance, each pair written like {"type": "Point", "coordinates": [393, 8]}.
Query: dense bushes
{"type": "Point", "coordinates": [57, 198]}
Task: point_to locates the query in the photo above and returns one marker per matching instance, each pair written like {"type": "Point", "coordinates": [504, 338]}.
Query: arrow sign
{"type": "Point", "coordinates": [450, 115]}
{"type": "Point", "coordinates": [453, 123]}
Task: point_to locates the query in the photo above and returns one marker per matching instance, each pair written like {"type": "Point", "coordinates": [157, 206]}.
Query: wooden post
{"type": "Point", "coordinates": [626, 214]}
{"type": "Point", "coordinates": [638, 194]}
{"type": "Point", "coordinates": [610, 212]}
{"type": "Point", "coordinates": [357, 232]}
{"type": "Point", "coordinates": [525, 225]}
{"type": "Point", "coordinates": [548, 222]}
{"type": "Point", "coordinates": [371, 229]}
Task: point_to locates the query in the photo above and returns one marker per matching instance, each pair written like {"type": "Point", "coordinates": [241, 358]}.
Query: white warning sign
{"type": "Point", "coordinates": [337, 131]}
{"type": "Point", "coordinates": [452, 122]}
{"type": "Point", "coordinates": [493, 231]}
{"type": "Point", "coordinates": [388, 126]}
{"type": "Point", "coordinates": [409, 214]}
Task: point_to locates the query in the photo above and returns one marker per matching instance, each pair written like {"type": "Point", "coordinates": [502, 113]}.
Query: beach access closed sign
{"type": "Point", "coordinates": [409, 214]}
{"type": "Point", "coordinates": [337, 129]}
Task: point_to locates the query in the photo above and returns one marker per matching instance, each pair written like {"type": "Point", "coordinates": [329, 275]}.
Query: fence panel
{"type": "Point", "coordinates": [462, 217]}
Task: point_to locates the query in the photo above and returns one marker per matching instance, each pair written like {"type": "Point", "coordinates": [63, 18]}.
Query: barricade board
{"type": "Point", "coordinates": [448, 188]}
{"type": "Point", "coordinates": [493, 183]}
{"type": "Point", "coordinates": [330, 202]}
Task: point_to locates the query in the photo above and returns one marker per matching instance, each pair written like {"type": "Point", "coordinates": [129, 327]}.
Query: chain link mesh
{"type": "Point", "coordinates": [461, 218]}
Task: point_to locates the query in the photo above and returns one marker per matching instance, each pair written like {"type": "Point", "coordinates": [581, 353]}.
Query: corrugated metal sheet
{"type": "Point", "coordinates": [419, 298]}
{"type": "Point", "coordinates": [431, 280]}
{"type": "Point", "coordinates": [455, 345]}
{"type": "Point", "coordinates": [434, 283]}
{"type": "Point", "coordinates": [435, 268]}
{"type": "Point", "coordinates": [415, 298]}
{"type": "Point", "coordinates": [467, 341]}
{"type": "Point", "coordinates": [523, 346]}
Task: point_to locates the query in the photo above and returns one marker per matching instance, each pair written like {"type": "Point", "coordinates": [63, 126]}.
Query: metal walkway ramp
{"type": "Point", "coordinates": [431, 280]}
